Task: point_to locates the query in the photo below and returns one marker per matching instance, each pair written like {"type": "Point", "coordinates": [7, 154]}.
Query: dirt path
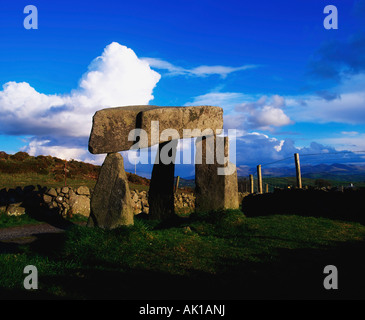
{"type": "Point", "coordinates": [28, 233]}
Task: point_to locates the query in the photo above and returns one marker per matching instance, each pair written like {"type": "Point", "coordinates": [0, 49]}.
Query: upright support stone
{"type": "Point", "coordinates": [214, 191]}
{"type": "Point", "coordinates": [161, 192]}
{"type": "Point", "coordinates": [111, 205]}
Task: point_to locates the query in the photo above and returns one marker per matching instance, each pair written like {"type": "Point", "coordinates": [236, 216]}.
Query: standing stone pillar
{"type": "Point", "coordinates": [111, 205]}
{"type": "Point", "coordinates": [215, 191]}
{"type": "Point", "coordinates": [161, 192]}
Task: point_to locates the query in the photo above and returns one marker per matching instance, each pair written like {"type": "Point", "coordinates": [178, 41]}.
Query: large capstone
{"type": "Point", "coordinates": [111, 205]}
{"type": "Point", "coordinates": [112, 127]}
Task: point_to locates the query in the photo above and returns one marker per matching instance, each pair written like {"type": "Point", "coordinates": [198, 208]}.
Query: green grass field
{"type": "Point", "coordinates": [217, 255]}
{"type": "Point", "coordinates": [221, 255]}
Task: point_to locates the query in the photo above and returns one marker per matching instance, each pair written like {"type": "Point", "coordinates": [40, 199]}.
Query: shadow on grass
{"type": "Point", "coordinates": [290, 274]}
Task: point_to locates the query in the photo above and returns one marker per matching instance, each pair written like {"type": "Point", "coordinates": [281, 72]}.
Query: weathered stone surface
{"type": "Point", "coordinates": [111, 200]}
{"type": "Point", "coordinates": [214, 191]}
{"type": "Point", "coordinates": [83, 190]}
{"type": "Point", "coordinates": [197, 118]}
{"type": "Point", "coordinates": [65, 190]}
{"type": "Point", "coordinates": [112, 126]}
{"type": "Point", "coordinates": [47, 198]}
{"type": "Point", "coordinates": [79, 204]}
{"type": "Point", "coordinates": [52, 192]}
{"type": "Point", "coordinates": [15, 209]}
{"type": "Point", "coordinates": [161, 192]}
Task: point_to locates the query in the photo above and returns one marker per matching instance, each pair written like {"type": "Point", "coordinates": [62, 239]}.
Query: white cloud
{"type": "Point", "coordinates": [164, 65]}
{"type": "Point", "coordinates": [37, 147]}
{"type": "Point", "coordinates": [350, 133]}
{"type": "Point", "coordinates": [116, 78]}
{"type": "Point", "coordinates": [200, 71]}
{"type": "Point", "coordinates": [223, 71]}
{"type": "Point", "coordinates": [347, 106]}
{"type": "Point", "coordinates": [246, 112]}
{"type": "Point", "coordinates": [226, 100]}
{"type": "Point", "coordinates": [264, 113]}
{"type": "Point", "coordinates": [352, 142]}
{"type": "Point", "coordinates": [349, 109]}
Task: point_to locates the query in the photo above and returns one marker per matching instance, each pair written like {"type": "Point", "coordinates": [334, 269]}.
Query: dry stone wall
{"type": "Point", "coordinates": [64, 201]}
{"type": "Point", "coordinates": [183, 202]}
{"type": "Point", "coordinates": [67, 201]}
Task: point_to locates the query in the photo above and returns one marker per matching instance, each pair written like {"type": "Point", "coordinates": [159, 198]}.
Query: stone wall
{"type": "Point", "coordinates": [182, 201]}
{"type": "Point", "coordinates": [30, 199]}
{"type": "Point", "coordinates": [67, 201]}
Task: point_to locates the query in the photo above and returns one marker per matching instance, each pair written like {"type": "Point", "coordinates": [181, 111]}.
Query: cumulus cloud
{"type": "Point", "coordinates": [245, 112]}
{"type": "Point", "coordinates": [116, 78]}
{"type": "Point", "coordinates": [200, 71]}
{"type": "Point", "coordinates": [264, 113]}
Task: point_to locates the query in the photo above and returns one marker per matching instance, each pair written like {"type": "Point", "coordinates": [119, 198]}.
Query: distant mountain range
{"type": "Point", "coordinates": [336, 171]}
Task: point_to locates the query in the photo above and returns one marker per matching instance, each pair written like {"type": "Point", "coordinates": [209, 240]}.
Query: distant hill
{"type": "Point", "coordinates": [22, 164]}
{"type": "Point", "coordinates": [336, 171]}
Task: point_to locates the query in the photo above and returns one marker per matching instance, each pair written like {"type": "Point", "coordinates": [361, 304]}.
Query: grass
{"type": "Point", "coordinates": [220, 255]}
{"type": "Point", "coordinates": [15, 221]}
{"type": "Point", "coordinates": [283, 182]}
{"type": "Point", "coordinates": [14, 180]}
{"type": "Point", "coordinates": [9, 181]}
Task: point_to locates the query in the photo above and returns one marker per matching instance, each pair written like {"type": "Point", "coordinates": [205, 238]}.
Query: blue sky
{"type": "Point", "coordinates": [283, 80]}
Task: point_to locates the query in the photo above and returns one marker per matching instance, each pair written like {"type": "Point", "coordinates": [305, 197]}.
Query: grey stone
{"type": "Point", "coordinates": [197, 119]}
{"type": "Point", "coordinates": [83, 190]}
{"type": "Point", "coordinates": [137, 207]}
{"type": "Point", "coordinates": [52, 192]}
{"type": "Point", "coordinates": [65, 190]}
{"type": "Point", "coordinates": [15, 209]}
{"type": "Point", "coordinates": [214, 191]}
{"type": "Point", "coordinates": [53, 205]}
{"type": "Point", "coordinates": [111, 200]}
{"type": "Point", "coordinates": [111, 126]}
{"type": "Point", "coordinates": [47, 198]}
{"type": "Point", "coordinates": [135, 197]}
{"type": "Point", "coordinates": [79, 204]}
{"type": "Point", "coordinates": [146, 210]}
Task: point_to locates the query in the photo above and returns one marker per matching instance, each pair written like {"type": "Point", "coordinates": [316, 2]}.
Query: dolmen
{"type": "Point", "coordinates": [137, 127]}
